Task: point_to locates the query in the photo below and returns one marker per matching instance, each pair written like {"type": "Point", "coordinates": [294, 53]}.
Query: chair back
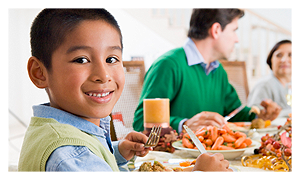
{"type": "Point", "coordinates": [236, 71]}
{"type": "Point", "coordinates": [123, 111]}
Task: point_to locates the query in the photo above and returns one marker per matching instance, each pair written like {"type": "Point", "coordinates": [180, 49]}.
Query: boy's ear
{"type": "Point", "coordinates": [215, 30]}
{"type": "Point", "coordinates": [37, 72]}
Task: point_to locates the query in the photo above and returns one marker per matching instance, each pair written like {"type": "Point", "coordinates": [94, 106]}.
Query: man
{"type": "Point", "coordinates": [194, 80]}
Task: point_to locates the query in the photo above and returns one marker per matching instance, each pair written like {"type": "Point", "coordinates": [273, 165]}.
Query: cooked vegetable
{"type": "Point", "coordinates": [213, 138]}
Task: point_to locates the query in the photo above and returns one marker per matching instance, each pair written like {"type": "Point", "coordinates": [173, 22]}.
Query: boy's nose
{"type": "Point", "coordinates": [100, 74]}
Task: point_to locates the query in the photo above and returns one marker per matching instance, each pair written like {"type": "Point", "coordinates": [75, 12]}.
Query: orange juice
{"type": "Point", "coordinates": [156, 112]}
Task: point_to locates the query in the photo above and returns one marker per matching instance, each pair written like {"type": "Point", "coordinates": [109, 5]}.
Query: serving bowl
{"type": "Point", "coordinates": [228, 154]}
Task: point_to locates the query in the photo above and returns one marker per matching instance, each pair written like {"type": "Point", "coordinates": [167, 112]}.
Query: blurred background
{"type": "Point", "coordinates": [147, 34]}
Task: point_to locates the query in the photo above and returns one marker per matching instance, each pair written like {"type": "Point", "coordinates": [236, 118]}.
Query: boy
{"type": "Point", "coordinates": [77, 59]}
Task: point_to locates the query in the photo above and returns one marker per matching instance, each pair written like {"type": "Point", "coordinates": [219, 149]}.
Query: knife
{"type": "Point", "coordinates": [195, 140]}
{"type": "Point", "coordinates": [233, 113]}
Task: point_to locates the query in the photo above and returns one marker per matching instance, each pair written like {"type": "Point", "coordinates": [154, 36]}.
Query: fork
{"type": "Point", "coordinates": [153, 137]}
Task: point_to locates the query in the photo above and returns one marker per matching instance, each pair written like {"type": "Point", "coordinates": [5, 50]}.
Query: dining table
{"type": "Point", "coordinates": [180, 155]}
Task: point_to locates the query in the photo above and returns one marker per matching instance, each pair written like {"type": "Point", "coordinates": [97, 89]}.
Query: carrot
{"type": "Point", "coordinates": [186, 143]}
{"type": "Point", "coordinates": [209, 127]}
{"type": "Point", "coordinates": [208, 147]}
{"type": "Point", "coordinates": [238, 134]}
{"type": "Point", "coordinates": [185, 163]}
{"type": "Point", "coordinates": [229, 144]}
{"type": "Point", "coordinates": [248, 141]}
{"type": "Point", "coordinates": [201, 138]}
{"type": "Point", "coordinates": [241, 124]}
{"type": "Point", "coordinates": [222, 131]}
{"type": "Point", "coordinates": [227, 129]}
{"type": "Point", "coordinates": [186, 135]}
{"type": "Point", "coordinates": [228, 138]}
{"type": "Point", "coordinates": [239, 141]}
{"type": "Point", "coordinates": [222, 147]}
{"type": "Point", "coordinates": [201, 133]}
{"type": "Point", "coordinates": [206, 134]}
{"type": "Point", "coordinates": [214, 133]}
{"type": "Point", "coordinates": [243, 145]}
{"type": "Point", "coordinates": [207, 142]}
{"type": "Point", "coordinates": [199, 130]}
{"type": "Point", "coordinates": [204, 145]}
{"type": "Point", "coordinates": [217, 143]}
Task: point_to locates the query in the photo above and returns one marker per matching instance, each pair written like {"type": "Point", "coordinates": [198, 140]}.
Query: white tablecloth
{"type": "Point", "coordinates": [182, 154]}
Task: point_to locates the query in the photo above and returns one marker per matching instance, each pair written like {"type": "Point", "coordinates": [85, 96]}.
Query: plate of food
{"type": "Point", "coordinates": [217, 140]}
{"type": "Point", "coordinates": [172, 165]}
{"type": "Point", "coordinates": [257, 125]}
{"type": "Point", "coordinates": [228, 154]}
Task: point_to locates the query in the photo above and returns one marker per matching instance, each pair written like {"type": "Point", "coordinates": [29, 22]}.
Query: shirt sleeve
{"type": "Point", "coordinates": [259, 93]}
{"type": "Point", "coordinates": [232, 101]}
{"type": "Point", "coordinates": [119, 158]}
{"type": "Point", "coordinates": [75, 158]}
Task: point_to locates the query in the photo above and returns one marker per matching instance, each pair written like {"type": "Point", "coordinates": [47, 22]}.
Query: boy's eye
{"type": "Point", "coordinates": [81, 60]}
{"type": "Point", "coordinates": [111, 60]}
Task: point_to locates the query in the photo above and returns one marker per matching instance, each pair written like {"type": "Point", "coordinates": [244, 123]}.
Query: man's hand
{"type": "Point", "coordinates": [133, 144]}
{"type": "Point", "coordinates": [271, 110]}
{"type": "Point", "coordinates": [204, 119]}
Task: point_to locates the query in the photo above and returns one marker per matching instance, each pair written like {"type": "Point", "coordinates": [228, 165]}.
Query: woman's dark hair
{"type": "Point", "coordinates": [269, 58]}
{"type": "Point", "coordinates": [50, 27]}
{"type": "Point", "coordinates": [203, 19]}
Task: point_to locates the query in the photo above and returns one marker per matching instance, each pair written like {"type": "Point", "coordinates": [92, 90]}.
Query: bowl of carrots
{"type": "Point", "coordinates": [217, 140]}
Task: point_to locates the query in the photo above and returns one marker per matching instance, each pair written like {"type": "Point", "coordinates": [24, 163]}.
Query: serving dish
{"type": "Point", "coordinates": [246, 127]}
{"type": "Point", "coordinates": [173, 163]}
{"type": "Point", "coordinates": [228, 154]}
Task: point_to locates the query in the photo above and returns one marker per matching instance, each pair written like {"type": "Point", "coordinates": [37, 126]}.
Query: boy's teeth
{"type": "Point", "coordinates": [98, 95]}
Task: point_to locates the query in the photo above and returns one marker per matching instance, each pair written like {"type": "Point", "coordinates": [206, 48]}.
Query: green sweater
{"type": "Point", "coordinates": [44, 135]}
{"type": "Point", "coordinates": [189, 89]}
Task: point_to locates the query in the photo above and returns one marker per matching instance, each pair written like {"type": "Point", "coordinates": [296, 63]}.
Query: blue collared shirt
{"type": "Point", "coordinates": [79, 158]}
{"type": "Point", "coordinates": [194, 57]}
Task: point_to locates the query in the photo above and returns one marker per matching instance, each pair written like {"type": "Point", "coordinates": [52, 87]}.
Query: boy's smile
{"type": "Point", "coordinates": [87, 75]}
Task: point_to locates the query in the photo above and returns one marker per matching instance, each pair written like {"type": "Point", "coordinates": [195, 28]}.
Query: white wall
{"type": "Point", "coordinates": [22, 93]}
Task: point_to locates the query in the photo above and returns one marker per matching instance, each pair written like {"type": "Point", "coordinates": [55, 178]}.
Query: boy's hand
{"type": "Point", "coordinates": [211, 162]}
{"type": "Point", "coordinates": [133, 144]}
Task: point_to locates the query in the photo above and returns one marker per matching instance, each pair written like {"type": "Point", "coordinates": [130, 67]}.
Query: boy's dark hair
{"type": "Point", "coordinates": [203, 19]}
{"type": "Point", "coordinates": [50, 27]}
{"type": "Point", "coordinates": [269, 58]}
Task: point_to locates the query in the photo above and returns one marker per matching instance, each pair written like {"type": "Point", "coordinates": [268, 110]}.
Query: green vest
{"type": "Point", "coordinates": [44, 135]}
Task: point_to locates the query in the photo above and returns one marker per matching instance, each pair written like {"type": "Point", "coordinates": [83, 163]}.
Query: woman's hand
{"type": "Point", "coordinates": [271, 110]}
{"type": "Point", "coordinates": [133, 144]}
{"type": "Point", "coordinates": [205, 118]}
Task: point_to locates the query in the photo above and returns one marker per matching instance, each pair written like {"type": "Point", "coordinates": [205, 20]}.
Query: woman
{"type": "Point", "coordinates": [275, 85]}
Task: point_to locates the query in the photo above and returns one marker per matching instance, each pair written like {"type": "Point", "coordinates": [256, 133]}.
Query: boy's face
{"type": "Point", "coordinates": [87, 76]}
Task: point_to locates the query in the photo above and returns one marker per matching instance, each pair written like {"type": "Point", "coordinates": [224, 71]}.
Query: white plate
{"type": "Point", "coordinates": [172, 163]}
{"type": "Point", "coordinates": [228, 154]}
{"type": "Point", "coordinates": [246, 128]}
